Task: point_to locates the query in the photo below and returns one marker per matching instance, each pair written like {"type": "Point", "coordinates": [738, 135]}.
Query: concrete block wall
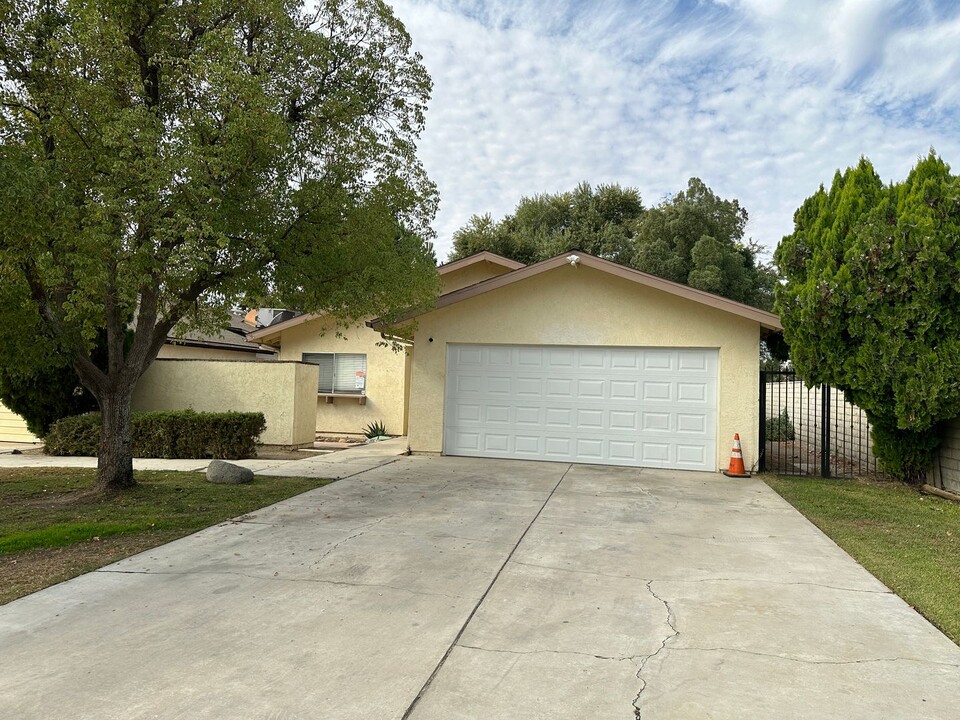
{"type": "Point", "coordinates": [946, 469]}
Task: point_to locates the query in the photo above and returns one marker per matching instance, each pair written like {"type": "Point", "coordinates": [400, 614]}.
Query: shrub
{"type": "Point", "coordinates": [74, 435]}
{"type": "Point", "coordinates": [166, 434]}
{"type": "Point", "coordinates": [375, 429]}
{"type": "Point", "coordinates": [780, 429]}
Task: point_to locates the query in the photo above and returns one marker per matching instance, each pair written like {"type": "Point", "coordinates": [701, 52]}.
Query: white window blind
{"type": "Point", "coordinates": [340, 372]}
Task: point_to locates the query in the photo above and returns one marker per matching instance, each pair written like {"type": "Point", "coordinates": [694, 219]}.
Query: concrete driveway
{"type": "Point", "coordinates": [444, 588]}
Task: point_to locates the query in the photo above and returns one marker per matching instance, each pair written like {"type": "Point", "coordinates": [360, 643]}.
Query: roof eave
{"type": "Point", "coordinates": [767, 320]}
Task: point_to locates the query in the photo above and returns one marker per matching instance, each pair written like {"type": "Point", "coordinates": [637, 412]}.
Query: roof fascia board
{"type": "Point", "coordinates": [766, 319]}
{"type": "Point", "coordinates": [271, 330]}
{"type": "Point", "coordinates": [483, 256]}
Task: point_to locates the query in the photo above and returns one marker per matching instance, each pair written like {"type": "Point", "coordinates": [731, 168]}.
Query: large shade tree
{"type": "Point", "coordinates": [162, 161]}
{"type": "Point", "coordinates": [694, 237]}
{"type": "Point", "coordinates": [871, 302]}
{"type": "Point", "coordinates": [595, 220]}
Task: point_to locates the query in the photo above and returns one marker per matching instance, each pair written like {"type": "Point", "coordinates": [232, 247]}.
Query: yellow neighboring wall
{"type": "Point", "coordinates": [386, 371]}
{"type": "Point", "coordinates": [283, 392]}
{"type": "Point", "coordinates": [13, 428]}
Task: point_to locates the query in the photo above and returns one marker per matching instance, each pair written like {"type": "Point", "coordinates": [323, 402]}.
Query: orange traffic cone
{"type": "Point", "coordinates": [736, 468]}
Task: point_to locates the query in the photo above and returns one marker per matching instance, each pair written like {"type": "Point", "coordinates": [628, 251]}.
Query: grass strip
{"type": "Point", "coordinates": [53, 527]}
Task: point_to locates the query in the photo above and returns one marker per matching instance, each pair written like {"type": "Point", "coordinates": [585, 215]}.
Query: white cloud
{"type": "Point", "coordinates": [761, 100]}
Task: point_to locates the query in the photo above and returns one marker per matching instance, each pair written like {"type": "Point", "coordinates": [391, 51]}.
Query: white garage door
{"type": "Point", "coordinates": [646, 407]}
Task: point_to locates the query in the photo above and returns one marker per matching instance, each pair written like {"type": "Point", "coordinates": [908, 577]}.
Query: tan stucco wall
{"type": "Point", "coordinates": [470, 275]}
{"type": "Point", "coordinates": [284, 392]}
{"type": "Point", "coordinates": [945, 473]}
{"type": "Point", "coordinates": [385, 376]}
{"type": "Point", "coordinates": [583, 306]}
{"type": "Point", "coordinates": [13, 428]}
{"type": "Point", "coordinates": [188, 352]}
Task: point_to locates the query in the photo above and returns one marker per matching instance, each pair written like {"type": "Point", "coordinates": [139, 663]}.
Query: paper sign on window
{"type": "Point", "coordinates": [361, 379]}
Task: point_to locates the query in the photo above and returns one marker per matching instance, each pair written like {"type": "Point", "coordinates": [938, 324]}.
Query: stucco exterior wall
{"type": "Point", "coordinates": [385, 392]}
{"type": "Point", "coordinates": [13, 428]}
{"type": "Point", "coordinates": [188, 352]}
{"type": "Point", "coordinates": [945, 473]}
{"type": "Point", "coordinates": [470, 275]}
{"type": "Point", "coordinates": [584, 306]}
{"type": "Point", "coordinates": [284, 392]}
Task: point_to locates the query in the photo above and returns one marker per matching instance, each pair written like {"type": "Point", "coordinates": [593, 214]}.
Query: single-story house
{"type": "Point", "coordinates": [573, 359]}
{"type": "Point", "coordinates": [364, 378]}
{"type": "Point", "coordinates": [578, 359]}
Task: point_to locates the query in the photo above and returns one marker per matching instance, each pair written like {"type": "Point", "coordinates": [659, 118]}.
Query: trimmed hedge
{"type": "Point", "coordinates": [780, 429]}
{"type": "Point", "coordinates": [168, 434]}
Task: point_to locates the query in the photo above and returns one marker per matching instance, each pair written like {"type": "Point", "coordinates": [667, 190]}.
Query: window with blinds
{"type": "Point", "coordinates": [340, 372]}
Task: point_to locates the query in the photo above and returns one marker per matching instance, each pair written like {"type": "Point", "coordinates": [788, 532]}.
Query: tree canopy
{"type": "Point", "coordinates": [593, 220]}
{"type": "Point", "coordinates": [871, 302]}
{"type": "Point", "coordinates": [162, 161]}
{"type": "Point", "coordinates": [695, 237]}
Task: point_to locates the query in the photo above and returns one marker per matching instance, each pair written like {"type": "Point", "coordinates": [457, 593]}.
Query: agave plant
{"type": "Point", "coordinates": [375, 429]}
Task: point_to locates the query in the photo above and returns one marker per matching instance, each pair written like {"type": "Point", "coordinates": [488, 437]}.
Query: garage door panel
{"type": "Point", "coordinates": [691, 455]}
{"type": "Point", "coordinates": [559, 448]}
{"type": "Point", "coordinates": [624, 390]}
{"type": "Point", "coordinates": [529, 416]}
{"type": "Point", "coordinates": [658, 361]}
{"type": "Point", "coordinates": [560, 360]}
{"type": "Point", "coordinates": [529, 386]}
{"type": "Point", "coordinates": [467, 413]}
{"type": "Point", "coordinates": [623, 420]}
{"type": "Point", "coordinates": [691, 423]}
{"type": "Point", "coordinates": [624, 360]}
{"type": "Point", "coordinates": [528, 446]}
{"type": "Point", "coordinates": [559, 418]}
{"type": "Point", "coordinates": [629, 406]}
{"type": "Point", "coordinates": [688, 392]}
{"type": "Point", "coordinates": [657, 391]}
{"type": "Point", "coordinates": [530, 357]}
{"type": "Point", "coordinates": [691, 361]}
{"type": "Point", "coordinates": [498, 415]}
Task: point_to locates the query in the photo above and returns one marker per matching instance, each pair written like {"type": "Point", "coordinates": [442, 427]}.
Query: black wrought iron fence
{"type": "Point", "coordinates": [813, 431]}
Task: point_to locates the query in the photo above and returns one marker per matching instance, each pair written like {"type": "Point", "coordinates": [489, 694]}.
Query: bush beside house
{"type": "Point", "coordinates": [168, 434]}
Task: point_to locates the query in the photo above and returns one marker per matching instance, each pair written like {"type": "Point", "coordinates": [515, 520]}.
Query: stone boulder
{"type": "Point", "coordinates": [224, 473]}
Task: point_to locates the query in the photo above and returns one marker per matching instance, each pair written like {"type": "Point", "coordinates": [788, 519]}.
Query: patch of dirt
{"type": "Point", "coordinates": [26, 572]}
{"type": "Point", "coordinates": [798, 457]}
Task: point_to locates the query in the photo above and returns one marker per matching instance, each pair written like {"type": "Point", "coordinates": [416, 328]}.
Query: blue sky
{"type": "Point", "coordinates": [762, 99]}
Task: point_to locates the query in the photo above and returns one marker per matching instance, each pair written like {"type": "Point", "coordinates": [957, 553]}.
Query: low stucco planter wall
{"type": "Point", "coordinates": [285, 392]}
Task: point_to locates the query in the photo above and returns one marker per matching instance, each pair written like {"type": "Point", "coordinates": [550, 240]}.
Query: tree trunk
{"type": "Point", "coordinates": [115, 461]}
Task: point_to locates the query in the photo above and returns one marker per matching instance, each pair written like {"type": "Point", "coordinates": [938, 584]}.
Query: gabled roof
{"type": "Point", "coordinates": [767, 320]}
{"type": "Point", "coordinates": [262, 334]}
{"type": "Point", "coordinates": [268, 333]}
{"type": "Point", "coordinates": [484, 256]}
{"type": "Point", "coordinates": [233, 337]}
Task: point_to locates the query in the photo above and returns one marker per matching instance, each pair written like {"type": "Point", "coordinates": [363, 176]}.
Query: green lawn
{"type": "Point", "coordinates": [53, 528]}
{"type": "Point", "coordinates": [911, 542]}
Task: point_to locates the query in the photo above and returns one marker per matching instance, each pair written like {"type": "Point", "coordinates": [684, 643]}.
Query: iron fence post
{"type": "Point", "coordinates": [825, 432]}
{"type": "Point", "coordinates": [762, 453]}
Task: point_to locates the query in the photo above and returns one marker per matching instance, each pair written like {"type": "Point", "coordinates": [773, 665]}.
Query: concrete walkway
{"type": "Point", "coordinates": [333, 465]}
{"type": "Point", "coordinates": [446, 588]}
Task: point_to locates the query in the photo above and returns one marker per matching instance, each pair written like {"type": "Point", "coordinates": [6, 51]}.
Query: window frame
{"type": "Point", "coordinates": [333, 391]}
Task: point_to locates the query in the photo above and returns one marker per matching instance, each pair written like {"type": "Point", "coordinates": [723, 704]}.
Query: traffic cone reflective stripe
{"type": "Point", "coordinates": [736, 468]}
